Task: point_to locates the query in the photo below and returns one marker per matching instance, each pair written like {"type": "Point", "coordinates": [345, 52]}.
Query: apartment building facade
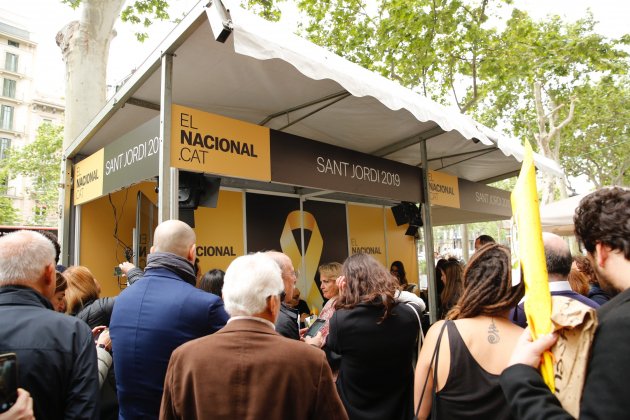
{"type": "Point", "coordinates": [22, 111]}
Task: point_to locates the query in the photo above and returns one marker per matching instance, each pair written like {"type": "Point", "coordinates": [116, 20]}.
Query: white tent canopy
{"type": "Point", "coordinates": [557, 217]}
{"type": "Point", "coordinates": [266, 75]}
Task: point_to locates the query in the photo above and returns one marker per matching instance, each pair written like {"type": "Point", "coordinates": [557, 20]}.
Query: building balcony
{"type": "Point", "coordinates": [14, 131]}
{"type": "Point", "coordinates": [19, 74]}
{"type": "Point", "coordinates": [17, 99]}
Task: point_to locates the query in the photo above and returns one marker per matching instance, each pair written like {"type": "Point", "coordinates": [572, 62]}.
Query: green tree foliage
{"type": "Point", "coordinates": [8, 214]}
{"type": "Point", "coordinates": [41, 162]}
{"type": "Point", "coordinates": [465, 52]}
{"type": "Point", "coordinates": [599, 147]}
{"type": "Point", "coordinates": [139, 12]}
{"type": "Point", "coordinates": [561, 56]}
{"type": "Point", "coordinates": [142, 13]}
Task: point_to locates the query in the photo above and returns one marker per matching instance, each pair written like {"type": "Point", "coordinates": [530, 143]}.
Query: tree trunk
{"type": "Point", "coordinates": [85, 48]}
{"type": "Point", "coordinates": [548, 131]}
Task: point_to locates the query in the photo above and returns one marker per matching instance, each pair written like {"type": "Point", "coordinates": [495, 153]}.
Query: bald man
{"type": "Point", "coordinates": [559, 260]}
{"type": "Point", "coordinates": [157, 314]}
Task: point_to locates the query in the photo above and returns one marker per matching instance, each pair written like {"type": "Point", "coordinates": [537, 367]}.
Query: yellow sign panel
{"type": "Point", "coordinates": [220, 232]}
{"type": "Point", "coordinates": [444, 189]}
{"type": "Point", "coordinates": [205, 142]}
{"type": "Point", "coordinates": [88, 178]}
{"type": "Point", "coordinates": [366, 225]}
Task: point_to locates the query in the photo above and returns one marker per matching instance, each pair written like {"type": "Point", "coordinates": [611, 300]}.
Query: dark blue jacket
{"type": "Point", "coordinates": [517, 315]}
{"type": "Point", "coordinates": [287, 322]}
{"type": "Point", "coordinates": [596, 294]}
{"type": "Point", "coordinates": [56, 355]}
{"type": "Point", "coordinates": [151, 318]}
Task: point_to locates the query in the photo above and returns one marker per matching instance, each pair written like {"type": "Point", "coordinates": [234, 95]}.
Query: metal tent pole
{"type": "Point", "coordinates": [428, 235]}
{"type": "Point", "coordinates": [167, 208]}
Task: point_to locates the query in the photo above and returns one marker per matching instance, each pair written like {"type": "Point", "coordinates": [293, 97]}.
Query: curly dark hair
{"type": "Point", "coordinates": [487, 284]}
{"type": "Point", "coordinates": [367, 281]}
{"type": "Point", "coordinates": [578, 279]}
{"type": "Point", "coordinates": [604, 216]}
{"type": "Point", "coordinates": [584, 266]}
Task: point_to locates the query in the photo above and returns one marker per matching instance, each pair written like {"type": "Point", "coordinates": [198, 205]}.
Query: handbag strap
{"type": "Point", "coordinates": [420, 332]}
{"type": "Point", "coordinates": [426, 380]}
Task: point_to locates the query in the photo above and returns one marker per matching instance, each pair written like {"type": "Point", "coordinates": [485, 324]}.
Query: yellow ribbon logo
{"type": "Point", "coordinates": [311, 257]}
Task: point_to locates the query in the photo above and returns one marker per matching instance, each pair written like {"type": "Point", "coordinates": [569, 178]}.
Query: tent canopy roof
{"type": "Point", "coordinates": [265, 75]}
{"type": "Point", "coordinates": [557, 217]}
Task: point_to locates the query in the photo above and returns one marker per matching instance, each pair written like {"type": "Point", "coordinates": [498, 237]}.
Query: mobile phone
{"type": "Point", "coordinates": [117, 271]}
{"type": "Point", "coordinates": [315, 327]}
{"type": "Point", "coordinates": [308, 321]}
{"type": "Point", "coordinates": [8, 381]}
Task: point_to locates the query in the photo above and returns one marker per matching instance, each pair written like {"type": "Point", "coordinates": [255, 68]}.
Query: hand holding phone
{"type": "Point", "coordinates": [315, 327]}
{"type": "Point", "coordinates": [22, 409]}
{"type": "Point", "coordinates": [8, 381]}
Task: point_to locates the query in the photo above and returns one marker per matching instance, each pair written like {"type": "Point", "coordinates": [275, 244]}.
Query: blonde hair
{"type": "Point", "coordinates": [331, 268]}
{"type": "Point", "coordinates": [81, 289]}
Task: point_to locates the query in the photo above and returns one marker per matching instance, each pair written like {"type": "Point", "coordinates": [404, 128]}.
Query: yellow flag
{"type": "Point", "coordinates": [532, 257]}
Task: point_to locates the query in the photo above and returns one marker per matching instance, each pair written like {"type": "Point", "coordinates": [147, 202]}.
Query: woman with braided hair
{"type": "Point", "coordinates": [463, 356]}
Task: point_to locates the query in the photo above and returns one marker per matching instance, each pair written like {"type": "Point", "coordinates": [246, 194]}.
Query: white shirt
{"type": "Point", "coordinates": [559, 286]}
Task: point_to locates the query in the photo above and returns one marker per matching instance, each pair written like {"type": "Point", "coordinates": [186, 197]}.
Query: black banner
{"type": "Point", "coordinates": [299, 161]}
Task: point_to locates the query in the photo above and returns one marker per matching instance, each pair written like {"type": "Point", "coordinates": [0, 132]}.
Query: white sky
{"type": "Point", "coordinates": [44, 18]}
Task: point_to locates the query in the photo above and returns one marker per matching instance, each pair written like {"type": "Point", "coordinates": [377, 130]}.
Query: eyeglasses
{"type": "Point", "coordinates": [296, 273]}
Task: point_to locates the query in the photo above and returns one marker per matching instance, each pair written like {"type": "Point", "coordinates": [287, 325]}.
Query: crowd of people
{"type": "Point", "coordinates": [179, 344]}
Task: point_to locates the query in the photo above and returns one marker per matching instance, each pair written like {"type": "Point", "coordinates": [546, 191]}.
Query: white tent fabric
{"type": "Point", "coordinates": [266, 75]}
{"type": "Point", "coordinates": [557, 217]}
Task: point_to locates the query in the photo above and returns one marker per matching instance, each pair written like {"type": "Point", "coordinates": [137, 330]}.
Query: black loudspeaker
{"type": "Point", "coordinates": [196, 190]}
{"type": "Point", "coordinates": [400, 214]}
{"type": "Point", "coordinates": [187, 216]}
{"type": "Point", "coordinates": [412, 231]}
{"type": "Point", "coordinates": [415, 217]}
{"type": "Point", "coordinates": [407, 212]}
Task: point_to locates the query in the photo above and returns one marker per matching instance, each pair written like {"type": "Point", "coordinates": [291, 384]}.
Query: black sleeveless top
{"type": "Point", "coordinates": [470, 391]}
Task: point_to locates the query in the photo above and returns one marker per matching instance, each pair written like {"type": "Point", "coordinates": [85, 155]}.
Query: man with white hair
{"type": "Point", "coordinates": [55, 352]}
{"type": "Point", "coordinates": [157, 314]}
{"type": "Point", "coordinates": [247, 370]}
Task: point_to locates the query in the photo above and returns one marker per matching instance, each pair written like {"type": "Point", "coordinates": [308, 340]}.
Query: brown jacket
{"type": "Point", "coordinates": [248, 371]}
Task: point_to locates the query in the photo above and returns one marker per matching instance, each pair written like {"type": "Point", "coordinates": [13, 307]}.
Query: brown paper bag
{"type": "Point", "coordinates": [575, 324]}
